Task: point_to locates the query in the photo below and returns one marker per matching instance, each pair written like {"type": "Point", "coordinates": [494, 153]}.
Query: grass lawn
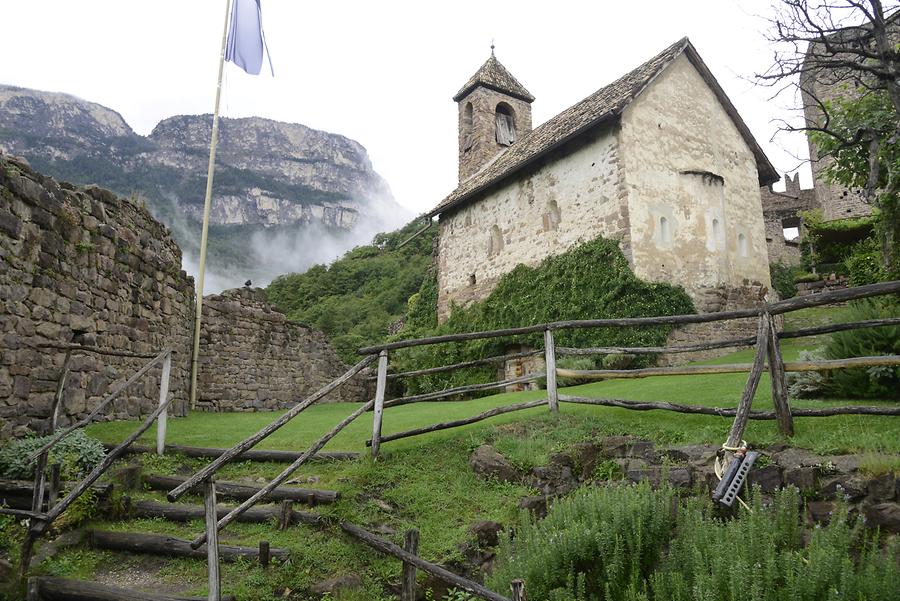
{"type": "Point", "coordinates": [425, 482]}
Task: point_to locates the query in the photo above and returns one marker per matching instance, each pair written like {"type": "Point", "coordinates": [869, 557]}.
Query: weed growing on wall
{"type": "Point", "coordinates": [590, 281]}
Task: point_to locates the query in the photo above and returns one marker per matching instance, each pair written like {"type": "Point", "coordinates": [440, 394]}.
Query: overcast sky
{"type": "Point", "coordinates": [379, 72]}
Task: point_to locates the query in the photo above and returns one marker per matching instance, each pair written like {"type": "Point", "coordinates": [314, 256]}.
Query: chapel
{"type": "Point", "coordinates": [659, 159]}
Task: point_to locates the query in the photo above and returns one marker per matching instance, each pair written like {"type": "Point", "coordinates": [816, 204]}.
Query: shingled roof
{"type": "Point", "coordinates": [604, 105]}
{"type": "Point", "coordinates": [493, 75]}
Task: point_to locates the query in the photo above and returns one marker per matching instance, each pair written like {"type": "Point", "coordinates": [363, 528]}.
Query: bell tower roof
{"type": "Point", "coordinates": [494, 75]}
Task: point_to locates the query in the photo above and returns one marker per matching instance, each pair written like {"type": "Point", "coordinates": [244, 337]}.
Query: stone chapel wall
{"type": "Point", "coordinates": [80, 265]}
{"type": "Point", "coordinates": [253, 359]}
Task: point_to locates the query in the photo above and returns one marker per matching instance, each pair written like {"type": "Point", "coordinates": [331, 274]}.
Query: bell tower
{"type": "Point", "coordinates": [494, 112]}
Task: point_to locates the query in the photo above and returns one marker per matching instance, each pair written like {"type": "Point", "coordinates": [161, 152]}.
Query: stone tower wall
{"type": "Point", "coordinates": [82, 265]}
{"type": "Point", "coordinates": [478, 145]}
{"type": "Point", "coordinates": [253, 359]}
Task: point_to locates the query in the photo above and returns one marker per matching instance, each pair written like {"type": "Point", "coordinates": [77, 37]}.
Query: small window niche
{"type": "Point", "coordinates": [665, 230]}
{"type": "Point", "coordinates": [468, 126]}
{"type": "Point", "coordinates": [506, 124]}
{"type": "Point", "coordinates": [551, 217]}
{"type": "Point", "coordinates": [472, 279]}
{"type": "Point", "coordinates": [742, 246]}
{"type": "Point", "coordinates": [495, 242]}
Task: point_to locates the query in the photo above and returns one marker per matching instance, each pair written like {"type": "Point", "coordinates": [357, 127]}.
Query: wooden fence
{"type": "Point", "coordinates": [767, 353]}
{"type": "Point", "coordinates": [44, 511]}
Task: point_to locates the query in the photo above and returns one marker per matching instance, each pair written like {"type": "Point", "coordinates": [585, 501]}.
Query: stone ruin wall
{"type": "Point", "coordinates": [249, 357]}
{"type": "Point", "coordinates": [781, 210]}
{"type": "Point", "coordinates": [80, 265]}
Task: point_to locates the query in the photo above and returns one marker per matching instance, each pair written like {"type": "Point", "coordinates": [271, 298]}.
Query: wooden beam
{"type": "Point", "coordinates": [378, 413]}
{"type": "Point", "coordinates": [159, 544]}
{"type": "Point", "coordinates": [743, 409]}
{"type": "Point", "coordinates": [178, 512]}
{"type": "Point", "coordinates": [785, 306]}
{"type": "Point", "coordinates": [212, 536]}
{"type": "Point", "coordinates": [389, 548]}
{"type": "Point", "coordinates": [59, 589]}
{"type": "Point", "coordinates": [550, 363]}
{"type": "Point", "coordinates": [106, 401]}
{"type": "Point", "coordinates": [461, 422]}
{"type": "Point", "coordinates": [408, 574]}
{"type": "Point", "coordinates": [251, 441]}
{"type": "Point", "coordinates": [234, 490]}
{"type": "Point", "coordinates": [248, 455]}
{"type": "Point", "coordinates": [162, 420]}
{"type": "Point", "coordinates": [732, 368]}
{"type": "Point", "coordinates": [656, 350]}
{"type": "Point", "coordinates": [840, 327]}
{"type": "Point", "coordinates": [719, 412]}
{"type": "Point", "coordinates": [462, 365]}
{"type": "Point", "coordinates": [286, 473]}
{"type": "Point", "coordinates": [779, 384]}
{"type": "Point", "coordinates": [449, 392]}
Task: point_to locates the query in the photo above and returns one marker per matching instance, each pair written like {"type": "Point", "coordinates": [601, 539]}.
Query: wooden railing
{"type": "Point", "coordinates": [767, 353]}
{"type": "Point", "coordinates": [41, 520]}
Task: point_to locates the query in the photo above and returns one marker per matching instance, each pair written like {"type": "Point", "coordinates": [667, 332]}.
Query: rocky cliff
{"type": "Point", "coordinates": [281, 189]}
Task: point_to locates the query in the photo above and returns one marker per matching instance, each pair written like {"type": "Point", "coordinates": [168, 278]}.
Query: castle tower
{"type": "Point", "coordinates": [494, 112]}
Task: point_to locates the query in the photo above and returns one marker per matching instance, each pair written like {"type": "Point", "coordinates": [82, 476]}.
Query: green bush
{"type": "Point", "coordinates": [597, 543]}
{"type": "Point", "coordinates": [831, 242]}
{"type": "Point", "coordinates": [873, 382]}
{"type": "Point", "coordinates": [783, 279]}
{"type": "Point", "coordinates": [635, 544]}
{"type": "Point", "coordinates": [865, 264]}
{"type": "Point", "coordinates": [807, 384]}
{"type": "Point", "coordinates": [577, 363]}
{"type": "Point", "coordinates": [357, 298]}
{"type": "Point", "coordinates": [762, 556]}
{"type": "Point", "coordinates": [77, 454]}
{"type": "Point", "coordinates": [592, 280]}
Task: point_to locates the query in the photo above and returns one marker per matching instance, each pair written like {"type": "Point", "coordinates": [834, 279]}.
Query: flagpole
{"type": "Point", "coordinates": [206, 204]}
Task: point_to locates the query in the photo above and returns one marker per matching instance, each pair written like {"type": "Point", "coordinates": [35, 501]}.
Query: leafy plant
{"type": "Point", "coordinates": [806, 384]}
{"type": "Point", "coordinates": [783, 279]}
{"type": "Point", "coordinates": [77, 454]}
{"type": "Point", "coordinates": [884, 340]}
{"type": "Point", "coordinates": [864, 264]}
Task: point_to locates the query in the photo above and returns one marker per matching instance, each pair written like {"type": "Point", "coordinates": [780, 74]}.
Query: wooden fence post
{"type": "Point", "coordinates": [518, 590]}
{"type": "Point", "coordinates": [408, 578]}
{"type": "Point", "coordinates": [550, 363]}
{"type": "Point", "coordinates": [212, 540]}
{"type": "Point", "coordinates": [380, 385]}
{"type": "Point", "coordinates": [743, 409]}
{"type": "Point", "coordinates": [162, 420]}
{"type": "Point", "coordinates": [57, 399]}
{"type": "Point", "coordinates": [264, 553]}
{"type": "Point", "coordinates": [779, 384]}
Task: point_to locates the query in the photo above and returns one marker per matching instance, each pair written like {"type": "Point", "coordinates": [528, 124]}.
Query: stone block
{"type": "Point", "coordinates": [768, 478]}
{"type": "Point", "coordinates": [804, 478]}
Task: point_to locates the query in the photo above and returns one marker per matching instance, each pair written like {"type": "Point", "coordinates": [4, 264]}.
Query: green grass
{"type": "Point", "coordinates": [425, 482]}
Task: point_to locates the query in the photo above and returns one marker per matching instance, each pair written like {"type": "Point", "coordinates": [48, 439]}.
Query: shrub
{"type": "Point", "coordinates": [761, 556]}
{"type": "Point", "coordinates": [595, 544]}
{"type": "Point", "coordinates": [874, 382]}
{"type": "Point", "coordinates": [831, 241]}
{"type": "Point", "coordinates": [77, 454]}
{"type": "Point", "coordinates": [807, 384]}
{"type": "Point", "coordinates": [865, 264]}
{"type": "Point", "coordinates": [577, 363]}
{"type": "Point", "coordinates": [783, 279]}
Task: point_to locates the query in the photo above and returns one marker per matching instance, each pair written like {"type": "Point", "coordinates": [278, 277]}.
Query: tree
{"type": "Point", "coordinates": [843, 57]}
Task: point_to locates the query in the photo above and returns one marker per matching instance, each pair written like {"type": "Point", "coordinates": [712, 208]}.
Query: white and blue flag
{"type": "Point", "coordinates": [246, 40]}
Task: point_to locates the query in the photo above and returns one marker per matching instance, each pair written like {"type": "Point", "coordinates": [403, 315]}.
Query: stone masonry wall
{"type": "Point", "coordinates": [564, 202]}
{"type": "Point", "coordinates": [252, 358]}
{"type": "Point", "coordinates": [80, 265]}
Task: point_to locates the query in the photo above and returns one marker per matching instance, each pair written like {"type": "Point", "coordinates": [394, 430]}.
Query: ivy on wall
{"type": "Point", "coordinates": [590, 281]}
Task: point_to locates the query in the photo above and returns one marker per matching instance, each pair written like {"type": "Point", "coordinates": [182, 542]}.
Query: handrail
{"type": "Point", "coordinates": [106, 401]}
{"type": "Point", "coordinates": [251, 441]}
{"type": "Point", "coordinates": [777, 308]}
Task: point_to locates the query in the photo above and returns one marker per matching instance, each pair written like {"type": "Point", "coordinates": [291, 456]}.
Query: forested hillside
{"type": "Point", "coordinates": [357, 298]}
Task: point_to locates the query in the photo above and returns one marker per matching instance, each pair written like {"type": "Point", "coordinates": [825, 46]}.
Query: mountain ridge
{"type": "Point", "coordinates": [310, 193]}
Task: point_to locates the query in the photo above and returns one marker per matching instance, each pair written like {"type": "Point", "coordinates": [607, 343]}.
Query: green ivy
{"type": "Point", "coordinates": [593, 280]}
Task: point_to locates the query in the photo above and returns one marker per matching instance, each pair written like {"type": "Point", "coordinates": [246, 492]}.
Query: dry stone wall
{"type": "Point", "coordinates": [253, 359]}
{"type": "Point", "coordinates": [80, 265]}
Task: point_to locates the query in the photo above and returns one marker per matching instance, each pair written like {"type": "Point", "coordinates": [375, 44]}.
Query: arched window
{"type": "Point", "coordinates": [552, 216]}
{"type": "Point", "coordinates": [715, 229]}
{"type": "Point", "coordinates": [468, 124]}
{"type": "Point", "coordinates": [495, 243]}
{"type": "Point", "coordinates": [665, 232]}
{"type": "Point", "coordinates": [506, 124]}
{"type": "Point", "coordinates": [742, 245]}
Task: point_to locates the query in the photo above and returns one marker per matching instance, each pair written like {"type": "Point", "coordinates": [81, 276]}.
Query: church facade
{"type": "Point", "coordinates": [659, 160]}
